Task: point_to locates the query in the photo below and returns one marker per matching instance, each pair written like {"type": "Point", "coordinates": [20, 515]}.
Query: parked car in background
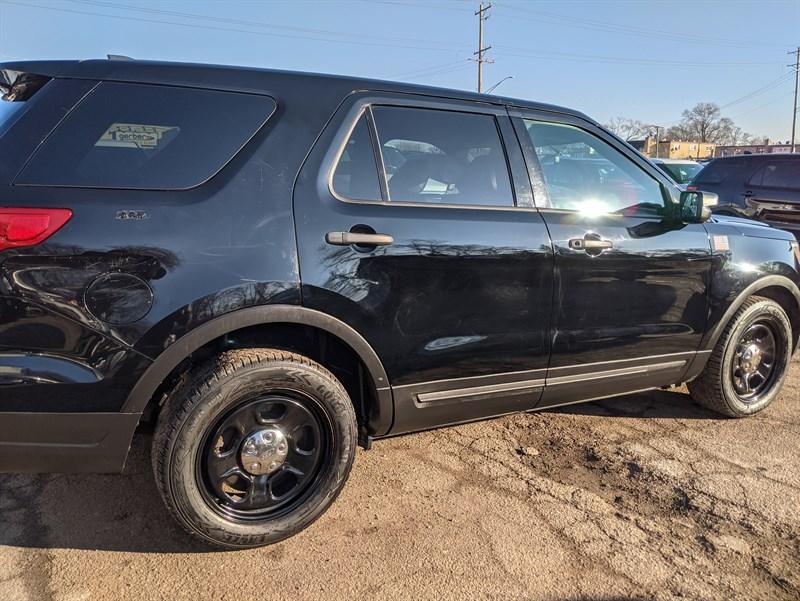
{"type": "Point", "coordinates": [765, 187]}
{"type": "Point", "coordinates": [681, 171]}
{"type": "Point", "coordinates": [274, 267]}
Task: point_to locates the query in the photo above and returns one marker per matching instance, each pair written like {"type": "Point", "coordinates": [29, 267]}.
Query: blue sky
{"type": "Point", "coordinates": [642, 59]}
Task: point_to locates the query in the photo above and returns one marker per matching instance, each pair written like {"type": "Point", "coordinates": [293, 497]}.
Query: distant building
{"type": "Point", "coordinates": [674, 149]}
{"type": "Point", "coordinates": [765, 148]}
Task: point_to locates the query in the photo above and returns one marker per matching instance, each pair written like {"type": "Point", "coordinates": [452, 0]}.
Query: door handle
{"type": "Point", "coordinates": [358, 239]}
{"type": "Point", "coordinates": [590, 244]}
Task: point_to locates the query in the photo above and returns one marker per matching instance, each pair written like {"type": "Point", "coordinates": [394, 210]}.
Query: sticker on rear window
{"type": "Point", "coordinates": [135, 135]}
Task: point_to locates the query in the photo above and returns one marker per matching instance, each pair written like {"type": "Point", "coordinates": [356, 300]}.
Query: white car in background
{"type": "Point", "coordinates": [682, 171]}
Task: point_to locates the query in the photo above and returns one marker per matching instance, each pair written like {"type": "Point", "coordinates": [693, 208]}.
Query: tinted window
{"type": "Point", "coordinates": [783, 174]}
{"type": "Point", "coordinates": [8, 113]}
{"type": "Point", "coordinates": [447, 157]}
{"type": "Point", "coordinates": [15, 90]}
{"type": "Point", "coordinates": [147, 137]}
{"type": "Point", "coordinates": [356, 173]}
{"type": "Point", "coordinates": [717, 172]}
{"type": "Point", "coordinates": [584, 173]}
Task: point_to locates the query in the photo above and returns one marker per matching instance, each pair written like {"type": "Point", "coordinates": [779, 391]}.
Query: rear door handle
{"type": "Point", "coordinates": [590, 244]}
{"type": "Point", "coordinates": [350, 238]}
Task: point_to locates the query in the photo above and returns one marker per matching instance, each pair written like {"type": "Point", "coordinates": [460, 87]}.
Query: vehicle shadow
{"type": "Point", "coordinates": [664, 404]}
{"type": "Point", "coordinates": [114, 512]}
{"type": "Point", "coordinates": [110, 512]}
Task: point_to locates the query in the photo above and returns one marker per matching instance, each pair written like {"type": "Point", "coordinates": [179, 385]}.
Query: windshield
{"type": "Point", "coordinates": [683, 173]}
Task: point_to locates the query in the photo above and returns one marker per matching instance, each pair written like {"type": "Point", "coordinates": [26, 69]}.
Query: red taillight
{"type": "Point", "coordinates": [28, 227]}
{"type": "Point", "coordinates": [691, 188]}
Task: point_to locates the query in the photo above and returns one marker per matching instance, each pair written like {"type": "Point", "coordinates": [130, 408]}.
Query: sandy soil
{"type": "Point", "coordinates": [638, 497]}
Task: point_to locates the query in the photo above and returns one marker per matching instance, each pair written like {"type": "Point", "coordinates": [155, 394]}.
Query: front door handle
{"type": "Point", "coordinates": [590, 244]}
{"type": "Point", "coordinates": [358, 239]}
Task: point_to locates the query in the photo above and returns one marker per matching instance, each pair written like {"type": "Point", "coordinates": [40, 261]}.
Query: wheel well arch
{"type": "Point", "coordinates": [789, 302]}
{"type": "Point", "coordinates": [778, 288]}
{"type": "Point", "coordinates": [317, 335]}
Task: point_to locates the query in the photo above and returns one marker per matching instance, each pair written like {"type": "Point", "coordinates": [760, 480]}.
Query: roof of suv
{"type": "Point", "coordinates": [240, 78]}
{"type": "Point", "coordinates": [772, 156]}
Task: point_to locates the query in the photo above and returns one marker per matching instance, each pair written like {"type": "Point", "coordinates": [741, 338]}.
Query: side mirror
{"type": "Point", "coordinates": [694, 206]}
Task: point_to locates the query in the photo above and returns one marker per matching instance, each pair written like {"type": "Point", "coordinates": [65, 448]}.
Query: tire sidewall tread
{"type": "Point", "coordinates": [208, 392]}
{"type": "Point", "coordinates": [713, 388]}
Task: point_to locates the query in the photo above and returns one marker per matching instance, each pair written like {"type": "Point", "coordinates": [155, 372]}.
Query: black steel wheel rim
{"type": "Point", "coordinates": [239, 493]}
{"type": "Point", "coordinates": [757, 361]}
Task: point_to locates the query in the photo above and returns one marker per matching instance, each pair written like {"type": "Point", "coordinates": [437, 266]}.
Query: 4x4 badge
{"type": "Point", "coordinates": [136, 215]}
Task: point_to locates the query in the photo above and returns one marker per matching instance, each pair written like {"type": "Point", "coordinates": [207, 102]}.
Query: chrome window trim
{"type": "Point", "coordinates": [364, 105]}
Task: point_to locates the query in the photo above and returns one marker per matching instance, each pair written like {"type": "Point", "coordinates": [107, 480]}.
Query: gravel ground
{"type": "Point", "coordinates": [638, 497]}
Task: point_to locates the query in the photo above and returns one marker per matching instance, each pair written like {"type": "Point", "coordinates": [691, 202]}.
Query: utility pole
{"type": "Point", "coordinates": [482, 16]}
{"type": "Point", "coordinates": [796, 66]}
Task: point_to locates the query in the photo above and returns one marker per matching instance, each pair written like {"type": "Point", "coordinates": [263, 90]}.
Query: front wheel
{"type": "Point", "coordinates": [253, 447]}
{"type": "Point", "coordinates": [747, 367]}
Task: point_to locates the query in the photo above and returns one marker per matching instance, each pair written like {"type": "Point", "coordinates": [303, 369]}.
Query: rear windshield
{"type": "Point", "coordinates": [15, 90]}
{"type": "Point", "coordinates": [147, 137]}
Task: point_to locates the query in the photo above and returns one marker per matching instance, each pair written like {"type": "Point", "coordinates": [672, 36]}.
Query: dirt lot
{"type": "Point", "coordinates": [641, 497]}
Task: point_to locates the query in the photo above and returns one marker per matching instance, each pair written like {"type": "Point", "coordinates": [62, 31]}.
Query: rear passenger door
{"type": "Point", "coordinates": [416, 226]}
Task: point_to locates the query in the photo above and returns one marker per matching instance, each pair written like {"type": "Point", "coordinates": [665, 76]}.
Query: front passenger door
{"type": "Point", "coordinates": [630, 286]}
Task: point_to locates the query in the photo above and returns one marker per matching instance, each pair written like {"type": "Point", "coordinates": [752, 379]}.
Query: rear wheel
{"type": "Point", "coordinates": [253, 447]}
{"type": "Point", "coordinates": [747, 368]}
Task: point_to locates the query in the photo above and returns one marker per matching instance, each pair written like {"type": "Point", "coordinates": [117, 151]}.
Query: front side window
{"type": "Point", "coordinates": [585, 174]}
{"type": "Point", "coordinates": [141, 136]}
{"type": "Point", "coordinates": [442, 157]}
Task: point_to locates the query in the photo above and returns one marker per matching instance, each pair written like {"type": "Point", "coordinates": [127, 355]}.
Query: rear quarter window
{"type": "Point", "coordinates": [140, 136]}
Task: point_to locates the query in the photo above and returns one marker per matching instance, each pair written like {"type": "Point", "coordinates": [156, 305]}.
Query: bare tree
{"type": "Point", "coordinates": [703, 123]}
{"type": "Point", "coordinates": [627, 129]}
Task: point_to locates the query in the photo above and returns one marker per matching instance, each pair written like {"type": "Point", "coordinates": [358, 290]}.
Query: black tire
{"type": "Point", "coordinates": [250, 384]}
{"type": "Point", "coordinates": [721, 386]}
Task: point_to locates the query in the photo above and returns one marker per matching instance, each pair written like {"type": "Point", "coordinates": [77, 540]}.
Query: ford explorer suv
{"type": "Point", "coordinates": [272, 268]}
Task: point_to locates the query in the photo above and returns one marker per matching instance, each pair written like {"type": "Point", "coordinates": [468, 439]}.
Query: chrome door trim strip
{"type": "Point", "coordinates": [527, 372]}
{"type": "Point", "coordinates": [688, 354]}
{"type": "Point", "coordinates": [470, 388]}
{"type": "Point", "coordinates": [624, 371]}
{"type": "Point", "coordinates": [464, 393]}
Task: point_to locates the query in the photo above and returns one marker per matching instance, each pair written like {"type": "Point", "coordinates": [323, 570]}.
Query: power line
{"type": "Point", "coordinates": [766, 88]}
{"type": "Point", "coordinates": [428, 70]}
{"type": "Point", "coordinates": [252, 23]}
{"type": "Point", "coordinates": [623, 60]}
{"type": "Point", "coordinates": [226, 29]}
{"type": "Point", "coordinates": [761, 106]}
{"type": "Point", "coordinates": [552, 18]}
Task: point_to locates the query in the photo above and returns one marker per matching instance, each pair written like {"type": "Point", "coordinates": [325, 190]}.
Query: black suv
{"type": "Point", "coordinates": [765, 187]}
{"type": "Point", "coordinates": [275, 267]}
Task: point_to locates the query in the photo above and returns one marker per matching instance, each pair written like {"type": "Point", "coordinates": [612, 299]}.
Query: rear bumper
{"type": "Point", "coordinates": [65, 442]}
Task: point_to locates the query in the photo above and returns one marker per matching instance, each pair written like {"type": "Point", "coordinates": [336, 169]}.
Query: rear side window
{"type": "Point", "coordinates": [356, 174]}
{"type": "Point", "coordinates": [783, 174]}
{"type": "Point", "coordinates": [444, 157]}
{"type": "Point", "coordinates": [147, 137]}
